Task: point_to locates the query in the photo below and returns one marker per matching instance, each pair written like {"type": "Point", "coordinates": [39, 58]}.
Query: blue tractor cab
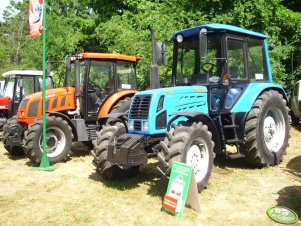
{"type": "Point", "coordinates": [222, 94]}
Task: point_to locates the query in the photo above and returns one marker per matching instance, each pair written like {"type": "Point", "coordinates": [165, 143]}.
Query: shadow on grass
{"type": "Point", "coordinates": [290, 197]}
{"type": "Point", "coordinates": [77, 150]}
{"type": "Point", "coordinates": [148, 175]}
{"type": "Point", "coordinates": [297, 127]}
{"type": "Point", "coordinates": [294, 167]}
{"type": "Point", "coordinates": [31, 164]}
{"type": "Point", "coordinates": [75, 153]}
{"type": "Point", "coordinates": [15, 157]}
{"type": "Point", "coordinates": [223, 162]}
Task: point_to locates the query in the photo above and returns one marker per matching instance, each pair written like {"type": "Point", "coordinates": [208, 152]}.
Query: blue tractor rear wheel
{"type": "Point", "coordinates": [267, 130]}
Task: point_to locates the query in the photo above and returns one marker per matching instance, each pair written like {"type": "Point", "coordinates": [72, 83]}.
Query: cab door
{"type": "Point", "coordinates": [295, 101]}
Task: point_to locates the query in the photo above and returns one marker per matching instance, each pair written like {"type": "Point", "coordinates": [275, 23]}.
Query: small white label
{"type": "Point", "coordinates": [258, 76]}
{"type": "Point", "coordinates": [126, 86]}
{"type": "Point", "coordinates": [2, 107]}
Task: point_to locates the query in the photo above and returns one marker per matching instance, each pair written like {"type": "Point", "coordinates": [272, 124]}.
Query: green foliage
{"type": "Point", "coordinates": [121, 26]}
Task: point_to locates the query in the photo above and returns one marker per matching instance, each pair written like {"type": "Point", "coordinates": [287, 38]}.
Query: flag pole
{"type": "Point", "coordinates": [44, 164]}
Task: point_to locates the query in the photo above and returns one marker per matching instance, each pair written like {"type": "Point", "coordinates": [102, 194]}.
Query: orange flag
{"type": "Point", "coordinates": [35, 17]}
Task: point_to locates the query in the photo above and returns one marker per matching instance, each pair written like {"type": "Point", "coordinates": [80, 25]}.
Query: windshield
{"type": "Point", "coordinates": [8, 88]}
{"type": "Point", "coordinates": [101, 84]}
{"type": "Point", "coordinates": [125, 75]}
{"type": "Point", "coordinates": [1, 88]}
{"type": "Point", "coordinates": [191, 69]}
{"type": "Point", "coordinates": [29, 85]}
{"type": "Point", "coordinates": [70, 79]}
{"type": "Point", "coordinates": [49, 83]}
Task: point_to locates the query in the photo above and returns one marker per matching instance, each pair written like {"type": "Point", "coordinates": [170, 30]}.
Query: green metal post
{"type": "Point", "coordinates": [45, 164]}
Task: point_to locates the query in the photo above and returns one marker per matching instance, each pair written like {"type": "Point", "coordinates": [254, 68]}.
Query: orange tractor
{"type": "Point", "coordinates": [96, 84]}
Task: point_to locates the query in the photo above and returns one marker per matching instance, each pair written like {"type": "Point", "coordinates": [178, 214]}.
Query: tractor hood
{"type": "Point", "coordinates": [59, 100]}
{"type": "Point", "coordinates": [152, 110]}
{"type": "Point", "coordinates": [179, 90]}
{"type": "Point", "coordinates": [4, 103]}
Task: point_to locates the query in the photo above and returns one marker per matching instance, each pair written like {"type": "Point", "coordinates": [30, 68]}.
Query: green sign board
{"type": "Point", "coordinates": [181, 184]}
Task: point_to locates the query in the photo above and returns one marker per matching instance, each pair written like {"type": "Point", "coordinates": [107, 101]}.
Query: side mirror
{"type": "Point", "coordinates": [160, 52]}
{"type": "Point", "coordinates": [271, 46]}
{"type": "Point", "coordinates": [68, 63]}
{"type": "Point", "coordinates": [20, 82]}
{"type": "Point", "coordinates": [203, 42]}
{"type": "Point", "coordinates": [48, 69]}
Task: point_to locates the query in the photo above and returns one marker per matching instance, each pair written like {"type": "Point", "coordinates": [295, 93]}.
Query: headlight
{"type": "Point", "coordinates": [231, 97]}
{"type": "Point", "coordinates": [179, 38]}
{"type": "Point", "coordinates": [145, 125]}
{"type": "Point", "coordinates": [131, 125]}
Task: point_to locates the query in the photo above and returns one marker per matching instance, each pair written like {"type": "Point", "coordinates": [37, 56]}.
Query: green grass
{"type": "Point", "coordinates": [75, 195]}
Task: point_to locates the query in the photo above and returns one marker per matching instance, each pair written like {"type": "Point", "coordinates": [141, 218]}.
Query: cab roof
{"type": "Point", "coordinates": [22, 73]}
{"type": "Point", "coordinates": [110, 56]}
{"type": "Point", "coordinates": [218, 27]}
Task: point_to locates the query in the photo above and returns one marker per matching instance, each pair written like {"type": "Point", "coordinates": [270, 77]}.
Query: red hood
{"type": "Point", "coordinates": [4, 102]}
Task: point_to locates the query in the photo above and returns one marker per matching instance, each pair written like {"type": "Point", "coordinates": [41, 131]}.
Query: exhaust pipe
{"type": "Point", "coordinates": [154, 69]}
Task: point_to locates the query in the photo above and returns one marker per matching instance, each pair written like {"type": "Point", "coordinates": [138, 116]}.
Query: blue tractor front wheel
{"type": "Point", "coordinates": [191, 144]}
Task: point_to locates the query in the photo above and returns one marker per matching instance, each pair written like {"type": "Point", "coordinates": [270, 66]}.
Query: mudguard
{"type": "Point", "coordinates": [249, 96]}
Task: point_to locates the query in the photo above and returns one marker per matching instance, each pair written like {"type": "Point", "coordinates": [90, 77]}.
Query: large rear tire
{"type": "Point", "coordinates": [106, 169]}
{"type": "Point", "coordinates": [267, 130]}
{"type": "Point", "coordinates": [13, 150]}
{"type": "Point", "coordinates": [122, 105]}
{"type": "Point", "coordinates": [58, 140]}
{"type": "Point", "coordinates": [191, 144]}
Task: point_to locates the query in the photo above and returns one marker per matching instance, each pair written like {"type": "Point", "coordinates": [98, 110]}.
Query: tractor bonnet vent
{"type": "Point", "coordinates": [140, 107]}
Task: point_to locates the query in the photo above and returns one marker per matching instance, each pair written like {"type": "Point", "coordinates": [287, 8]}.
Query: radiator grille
{"type": "Point", "coordinates": [137, 125]}
{"type": "Point", "coordinates": [140, 107]}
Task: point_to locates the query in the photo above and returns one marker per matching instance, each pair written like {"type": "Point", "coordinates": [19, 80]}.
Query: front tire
{"type": "Point", "coordinates": [106, 169]}
{"type": "Point", "coordinates": [13, 150]}
{"type": "Point", "coordinates": [267, 130]}
{"type": "Point", "coordinates": [191, 144]}
{"type": "Point", "coordinates": [58, 140]}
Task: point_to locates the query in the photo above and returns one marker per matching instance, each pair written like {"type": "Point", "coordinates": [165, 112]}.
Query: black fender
{"type": "Point", "coordinates": [206, 120]}
{"type": "Point", "coordinates": [66, 118]}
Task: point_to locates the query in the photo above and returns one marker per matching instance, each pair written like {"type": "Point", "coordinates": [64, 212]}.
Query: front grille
{"type": "Point", "coordinates": [140, 107]}
{"type": "Point", "coordinates": [137, 125]}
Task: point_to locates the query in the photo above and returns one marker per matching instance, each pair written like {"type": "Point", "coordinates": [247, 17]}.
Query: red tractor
{"type": "Point", "coordinates": [16, 85]}
{"type": "Point", "coordinates": [96, 84]}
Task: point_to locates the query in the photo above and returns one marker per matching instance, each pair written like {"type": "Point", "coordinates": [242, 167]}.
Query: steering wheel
{"type": "Point", "coordinates": [208, 67]}
{"type": "Point", "coordinates": [18, 96]}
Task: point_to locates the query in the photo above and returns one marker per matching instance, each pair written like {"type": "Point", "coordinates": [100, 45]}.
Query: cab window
{"type": "Point", "coordinates": [236, 59]}
{"type": "Point", "coordinates": [125, 75]}
{"type": "Point", "coordinates": [256, 60]}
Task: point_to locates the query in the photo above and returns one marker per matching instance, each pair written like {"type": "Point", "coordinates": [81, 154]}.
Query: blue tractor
{"type": "Point", "coordinates": [222, 94]}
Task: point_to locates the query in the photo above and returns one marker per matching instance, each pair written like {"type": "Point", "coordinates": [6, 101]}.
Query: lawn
{"type": "Point", "coordinates": [75, 195]}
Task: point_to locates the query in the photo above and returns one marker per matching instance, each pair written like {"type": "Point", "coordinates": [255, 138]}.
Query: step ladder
{"type": "Point", "coordinates": [232, 127]}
